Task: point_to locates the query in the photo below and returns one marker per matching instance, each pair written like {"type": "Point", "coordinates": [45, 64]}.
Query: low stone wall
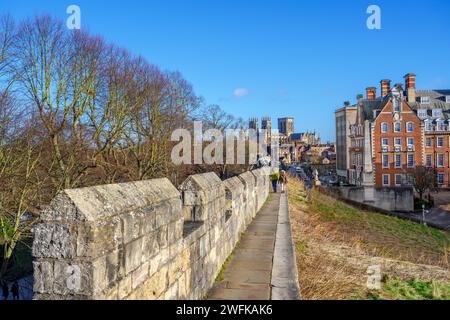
{"type": "Point", "coordinates": [387, 199]}
{"type": "Point", "coordinates": [143, 240]}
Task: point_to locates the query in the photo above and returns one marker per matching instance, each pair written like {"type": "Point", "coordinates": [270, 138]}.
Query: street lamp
{"type": "Point", "coordinates": [423, 214]}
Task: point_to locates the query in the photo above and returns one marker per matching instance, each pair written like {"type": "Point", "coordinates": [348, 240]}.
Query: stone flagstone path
{"type": "Point", "coordinates": [248, 275]}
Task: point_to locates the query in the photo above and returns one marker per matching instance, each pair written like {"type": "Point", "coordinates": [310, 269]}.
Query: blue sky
{"type": "Point", "coordinates": [274, 58]}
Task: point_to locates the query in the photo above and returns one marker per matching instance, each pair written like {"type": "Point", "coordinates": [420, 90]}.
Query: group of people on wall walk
{"type": "Point", "coordinates": [278, 178]}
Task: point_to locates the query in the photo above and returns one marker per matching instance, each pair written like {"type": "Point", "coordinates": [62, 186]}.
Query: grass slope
{"type": "Point", "coordinates": [336, 243]}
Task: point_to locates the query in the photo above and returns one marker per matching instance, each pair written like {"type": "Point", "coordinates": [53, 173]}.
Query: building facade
{"type": "Point", "coordinates": [381, 139]}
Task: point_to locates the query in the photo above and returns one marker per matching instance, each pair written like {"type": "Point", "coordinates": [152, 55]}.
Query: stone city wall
{"type": "Point", "coordinates": [143, 240]}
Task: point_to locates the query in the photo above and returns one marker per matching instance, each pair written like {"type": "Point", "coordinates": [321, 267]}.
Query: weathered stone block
{"type": "Point", "coordinates": [124, 288]}
{"type": "Point", "coordinates": [53, 241]}
{"type": "Point", "coordinates": [43, 277]}
{"type": "Point", "coordinates": [139, 275]}
{"type": "Point", "coordinates": [133, 255]}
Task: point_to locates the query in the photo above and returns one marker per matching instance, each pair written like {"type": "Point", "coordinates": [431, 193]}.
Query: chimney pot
{"type": "Point", "coordinates": [371, 93]}
{"type": "Point", "coordinates": [410, 86]}
{"type": "Point", "coordinates": [385, 87]}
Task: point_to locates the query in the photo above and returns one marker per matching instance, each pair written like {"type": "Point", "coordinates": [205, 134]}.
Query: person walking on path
{"type": "Point", "coordinates": [274, 177]}
{"type": "Point", "coordinates": [283, 181]}
{"type": "Point", "coordinates": [5, 290]}
{"type": "Point", "coordinates": [15, 290]}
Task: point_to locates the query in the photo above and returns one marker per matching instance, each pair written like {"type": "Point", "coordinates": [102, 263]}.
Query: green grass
{"type": "Point", "coordinates": [393, 288]}
{"type": "Point", "coordinates": [390, 235]}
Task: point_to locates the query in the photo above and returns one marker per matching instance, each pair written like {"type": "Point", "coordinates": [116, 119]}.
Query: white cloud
{"type": "Point", "coordinates": [241, 92]}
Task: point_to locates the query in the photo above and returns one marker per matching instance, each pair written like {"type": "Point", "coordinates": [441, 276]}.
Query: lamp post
{"type": "Point", "coordinates": [423, 214]}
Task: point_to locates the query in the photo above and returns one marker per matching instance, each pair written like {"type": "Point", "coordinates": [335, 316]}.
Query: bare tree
{"type": "Point", "coordinates": [423, 180]}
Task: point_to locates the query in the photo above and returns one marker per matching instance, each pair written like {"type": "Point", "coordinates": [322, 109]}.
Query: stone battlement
{"type": "Point", "coordinates": [143, 240]}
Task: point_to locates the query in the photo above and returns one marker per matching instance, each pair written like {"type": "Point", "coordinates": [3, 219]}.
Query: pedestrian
{"type": "Point", "coordinates": [274, 176]}
{"type": "Point", "coordinates": [283, 181]}
{"type": "Point", "coordinates": [5, 290]}
{"type": "Point", "coordinates": [15, 290]}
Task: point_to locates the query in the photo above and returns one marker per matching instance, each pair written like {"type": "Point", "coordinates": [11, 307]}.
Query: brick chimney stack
{"type": "Point", "coordinates": [410, 86]}
{"type": "Point", "coordinates": [385, 87]}
{"type": "Point", "coordinates": [371, 93]}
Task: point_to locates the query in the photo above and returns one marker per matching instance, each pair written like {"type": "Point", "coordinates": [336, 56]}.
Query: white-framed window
{"type": "Point", "coordinates": [397, 127]}
{"type": "Point", "coordinates": [422, 113]}
{"type": "Point", "coordinates": [440, 125]}
{"type": "Point", "coordinates": [441, 178]}
{"type": "Point", "coordinates": [384, 127]}
{"type": "Point", "coordinates": [437, 113]}
{"type": "Point", "coordinates": [440, 160]}
{"type": "Point", "coordinates": [398, 142]}
{"type": "Point", "coordinates": [447, 99]}
{"type": "Point", "coordinates": [385, 161]}
{"type": "Point", "coordinates": [385, 142]}
{"type": "Point", "coordinates": [428, 142]}
{"type": "Point", "coordinates": [410, 127]}
{"type": "Point", "coordinates": [410, 141]}
{"type": "Point", "coordinates": [425, 100]}
{"type": "Point", "coordinates": [429, 160]}
{"type": "Point", "coordinates": [398, 160]}
{"type": "Point", "coordinates": [428, 125]}
{"type": "Point", "coordinates": [386, 180]}
{"type": "Point", "coordinates": [440, 142]}
{"type": "Point", "coordinates": [396, 103]}
{"type": "Point", "coordinates": [398, 180]}
{"type": "Point", "coordinates": [411, 162]}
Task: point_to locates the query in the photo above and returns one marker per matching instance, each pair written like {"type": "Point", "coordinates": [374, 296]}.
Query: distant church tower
{"type": "Point", "coordinates": [253, 124]}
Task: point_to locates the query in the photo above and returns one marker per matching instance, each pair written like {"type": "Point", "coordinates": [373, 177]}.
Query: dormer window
{"type": "Point", "coordinates": [447, 99]}
{"type": "Point", "coordinates": [425, 100]}
{"type": "Point", "coordinates": [437, 113]}
{"type": "Point", "coordinates": [440, 126]}
{"type": "Point", "coordinates": [422, 113]}
{"type": "Point", "coordinates": [428, 125]}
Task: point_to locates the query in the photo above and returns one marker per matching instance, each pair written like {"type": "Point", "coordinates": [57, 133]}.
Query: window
{"type": "Point", "coordinates": [384, 127]}
{"type": "Point", "coordinates": [385, 161]}
{"type": "Point", "coordinates": [422, 113]}
{"type": "Point", "coordinates": [411, 161]}
{"type": "Point", "coordinates": [385, 142]}
{"type": "Point", "coordinates": [398, 160]}
{"type": "Point", "coordinates": [425, 100]}
{"type": "Point", "coordinates": [398, 180]}
{"type": "Point", "coordinates": [397, 127]}
{"type": "Point", "coordinates": [429, 142]}
{"type": "Point", "coordinates": [441, 178]}
{"type": "Point", "coordinates": [440, 160]}
{"type": "Point", "coordinates": [396, 105]}
{"type": "Point", "coordinates": [410, 141]}
{"type": "Point", "coordinates": [440, 142]}
{"type": "Point", "coordinates": [437, 113]}
{"type": "Point", "coordinates": [429, 160]}
{"type": "Point", "coordinates": [447, 99]}
{"type": "Point", "coordinates": [386, 180]}
{"type": "Point", "coordinates": [440, 126]}
{"type": "Point", "coordinates": [398, 142]}
{"type": "Point", "coordinates": [428, 126]}
{"type": "Point", "coordinates": [410, 127]}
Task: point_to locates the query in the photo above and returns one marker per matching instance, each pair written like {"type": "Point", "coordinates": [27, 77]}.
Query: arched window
{"type": "Point", "coordinates": [384, 127]}
{"type": "Point", "coordinates": [396, 105]}
{"type": "Point", "coordinates": [397, 127]}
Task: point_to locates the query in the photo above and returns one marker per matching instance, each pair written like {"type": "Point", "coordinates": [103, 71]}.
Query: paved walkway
{"type": "Point", "coordinates": [248, 276]}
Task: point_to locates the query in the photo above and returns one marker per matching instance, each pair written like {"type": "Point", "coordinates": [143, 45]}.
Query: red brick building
{"type": "Point", "coordinates": [396, 131]}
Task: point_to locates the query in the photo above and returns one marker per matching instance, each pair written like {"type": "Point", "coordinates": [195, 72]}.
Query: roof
{"type": "Point", "coordinates": [437, 101]}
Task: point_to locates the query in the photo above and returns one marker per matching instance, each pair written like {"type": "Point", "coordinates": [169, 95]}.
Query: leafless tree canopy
{"type": "Point", "coordinates": [76, 111]}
